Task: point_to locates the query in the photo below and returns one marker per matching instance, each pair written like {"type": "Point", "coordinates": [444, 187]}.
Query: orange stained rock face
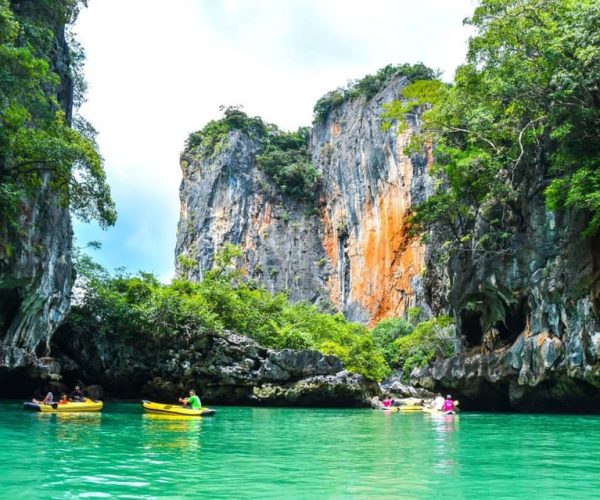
{"type": "Point", "coordinates": [542, 337]}
{"type": "Point", "coordinates": [330, 244]}
{"type": "Point", "coordinates": [383, 260]}
{"type": "Point", "coordinates": [335, 129]}
{"type": "Point", "coordinates": [260, 219]}
{"type": "Point", "coordinates": [386, 259]}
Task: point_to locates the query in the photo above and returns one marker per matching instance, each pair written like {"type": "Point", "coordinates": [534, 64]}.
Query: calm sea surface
{"type": "Point", "coordinates": [297, 453]}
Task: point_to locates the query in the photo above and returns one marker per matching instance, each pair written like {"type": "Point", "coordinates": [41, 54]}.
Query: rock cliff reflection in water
{"type": "Point", "coordinates": [297, 453]}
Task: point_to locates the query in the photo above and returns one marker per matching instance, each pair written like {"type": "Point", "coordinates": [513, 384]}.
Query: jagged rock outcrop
{"type": "Point", "coordinates": [528, 320]}
{"type": "Point", "coordinates": [225, 368]}
{"type": "Point", "coordinates": [368, 187]}
{"type": "Point", "coordinates": [395, 385]}
{"type": "Point", "coordinates": [36, 273]}
{"type": "Point", "coordinates": [353, 251]}
{"type": "Point", "coordinates": [225, 198]}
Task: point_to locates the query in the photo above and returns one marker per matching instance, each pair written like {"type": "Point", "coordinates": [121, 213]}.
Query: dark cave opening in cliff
{"type": "Point", "coordinates": [10, 301]}
{"type": "Point", "coordinates": [514, 322]}
{"type": "Point", "coordinates": [471, 327]}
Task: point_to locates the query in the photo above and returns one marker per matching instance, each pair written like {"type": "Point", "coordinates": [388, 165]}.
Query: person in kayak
{"type": "Point", "coordinates": [77, 395]}
{"type": "Point", "coordinates": [48, 400]}
{"type": "Point", "coordinates": [438, 402]}
{"type": "Point", "coordinates": [192, 401]}
{"type": "Point", "coordinates": [63, 399]}
{"type": "Point", "coordinates": [448, 404]}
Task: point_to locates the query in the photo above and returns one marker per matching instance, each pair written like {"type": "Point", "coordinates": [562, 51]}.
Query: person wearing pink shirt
{"type": "Point", "coordinates": [448, 404]}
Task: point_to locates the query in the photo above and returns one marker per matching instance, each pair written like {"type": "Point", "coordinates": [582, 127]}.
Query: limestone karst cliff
{"type": "Point", "coordinates": [347, 246]}
{"type": "Point", "coordinates": [36, 273]}
{"type": "Point", "coordinates": [527, 317]}
{"type": "Point", "coordinates": [368, 187]}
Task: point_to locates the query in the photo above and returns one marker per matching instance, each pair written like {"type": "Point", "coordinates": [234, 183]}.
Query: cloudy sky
{"type": "Point", "coordinates": [158, 70]}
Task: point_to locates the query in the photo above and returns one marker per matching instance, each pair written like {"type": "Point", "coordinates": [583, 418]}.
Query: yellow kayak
{"type": "Point", "coordinates": [70, 407]}
{"type": "Point", "coordinates": [165, 409]}
{"type": "Point", "coordinates": [410, 408]}
{"type": "Point", "coordinates": [403, 408]}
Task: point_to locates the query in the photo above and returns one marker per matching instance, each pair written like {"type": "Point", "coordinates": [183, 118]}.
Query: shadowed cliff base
{"type": "Point", "coordinates": [560, 396]}
{"type": "Point", "coordinates": [224, 368]}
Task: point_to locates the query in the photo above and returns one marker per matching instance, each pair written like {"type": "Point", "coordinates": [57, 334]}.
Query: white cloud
{"type": "Point", "coordinates": [159, 70]}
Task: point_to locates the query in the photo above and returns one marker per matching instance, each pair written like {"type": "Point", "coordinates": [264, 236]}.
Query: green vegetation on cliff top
{"type": "Point", "coordinates": [37, 143]}
{"type": "Point", "coordinates": [283, 156]}
{"type": "Point", "coordinates": [522, 118]}
{"type": "Point", "coordinates": [369, 85]}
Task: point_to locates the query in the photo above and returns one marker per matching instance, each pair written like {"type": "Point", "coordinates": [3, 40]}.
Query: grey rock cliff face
{"type": "Point", "coordinates": [528, 320]}
{"type": "Point", "coordinates": [352, 252]}
{"type": "Point", "coordinates": [369, 185]}
{"type": "Point", "coordinates": [36, 273]}
{"type": "Point", "coordinates": [227, 199]}
{"type": "Point", "coordinates": [35, 280]}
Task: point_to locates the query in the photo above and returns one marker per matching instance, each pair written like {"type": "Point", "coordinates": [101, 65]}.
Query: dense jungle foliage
{"type": "Point", "coordinates": [521, 119]}
{"type": "Point", "coordinates": [40, 143]}
{"type": "Point", "coordinates": [368, 86]}
{"type": "Point", "coordinates": [141, 306]}
{"type": "Point", "coordinates": [409, 344]}
{"type": "Point", "coordinates": [283, 156]}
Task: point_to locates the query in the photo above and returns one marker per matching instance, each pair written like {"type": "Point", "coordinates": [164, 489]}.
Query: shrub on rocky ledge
{"type": "Point", "coordinates": [283, 156]}
{"type": "Point", "coordinates": [142, 306]}
{"type": "Point", "coordinates": [368, 86]}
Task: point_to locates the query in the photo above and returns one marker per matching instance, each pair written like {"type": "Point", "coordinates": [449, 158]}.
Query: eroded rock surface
{"type": "Point", "coordinates": [528, 319]}
{"type": "Point", "coordinates": [352, 251]}
{"type": "Point", "coordinates": [224, 368]}
{"type": "Point", "coordinates": [36, 273]}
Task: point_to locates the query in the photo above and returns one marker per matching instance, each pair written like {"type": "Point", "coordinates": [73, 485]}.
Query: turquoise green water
{"type": "Point", "coordinates": [297, 453]}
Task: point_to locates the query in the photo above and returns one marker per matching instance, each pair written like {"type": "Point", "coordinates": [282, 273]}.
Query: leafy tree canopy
{"type": "Point", "coordinates": [522, 118]}
{"type": "Point", "coordinates": [37, 143]}
{"type": "Point", "coordinates": [139, 306]}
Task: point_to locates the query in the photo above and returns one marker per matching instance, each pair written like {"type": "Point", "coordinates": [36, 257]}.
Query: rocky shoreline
{"type": "Point", "coordinates": [230, 369]}
{"type": "Point", "coordinates": [225, 369]}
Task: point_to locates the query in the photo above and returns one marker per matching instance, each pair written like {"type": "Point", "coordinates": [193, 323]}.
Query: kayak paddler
{"type": "Point", "coordinates": [448, 404]}
{"type": "Point", "coordinates": [192, 401]}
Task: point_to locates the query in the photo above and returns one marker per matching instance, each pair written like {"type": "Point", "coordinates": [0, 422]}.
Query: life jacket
{"type": "Point", "coordinates": [448, 405]}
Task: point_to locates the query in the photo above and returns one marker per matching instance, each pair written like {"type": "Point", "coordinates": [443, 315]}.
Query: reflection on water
{"type": "Point", "coordinates": [79, 418]}
{"type": "Point", "coordinates": [171, 431]}
{"type": "Point", "coordinates": [444, 423]}
{"type": "Point", "coordinates": [297, 453]}
{"type": "Point", "coordinates": [445, 428]}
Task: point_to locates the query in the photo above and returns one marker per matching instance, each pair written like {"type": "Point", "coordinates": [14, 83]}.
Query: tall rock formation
{"type": "Point", "coordinates": [527, 317]}
{"type": "Point", "coordinates": [347, 247]}
{"type": "Point", "coordinates": [528, 320]}
{"type": "Point", "coordinates": [369, 185]}
{"type": "Point", "coordinates": [36, 273]}
{"type": "Point", "coordinates": [225, 198]}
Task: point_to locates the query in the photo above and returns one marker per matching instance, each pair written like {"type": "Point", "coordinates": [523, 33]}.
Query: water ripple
{"type": "Point", "coordinates": [297, 453]}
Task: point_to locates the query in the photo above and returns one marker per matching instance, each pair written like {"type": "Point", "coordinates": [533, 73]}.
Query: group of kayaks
{"type": "Point", "coordinates": [89, 405]}
{"type": "Point", "coordinates": [414, 408]}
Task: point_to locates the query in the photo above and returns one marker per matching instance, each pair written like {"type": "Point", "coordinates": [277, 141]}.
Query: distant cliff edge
{"type": "Point", "coordinates": [345, 245]}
